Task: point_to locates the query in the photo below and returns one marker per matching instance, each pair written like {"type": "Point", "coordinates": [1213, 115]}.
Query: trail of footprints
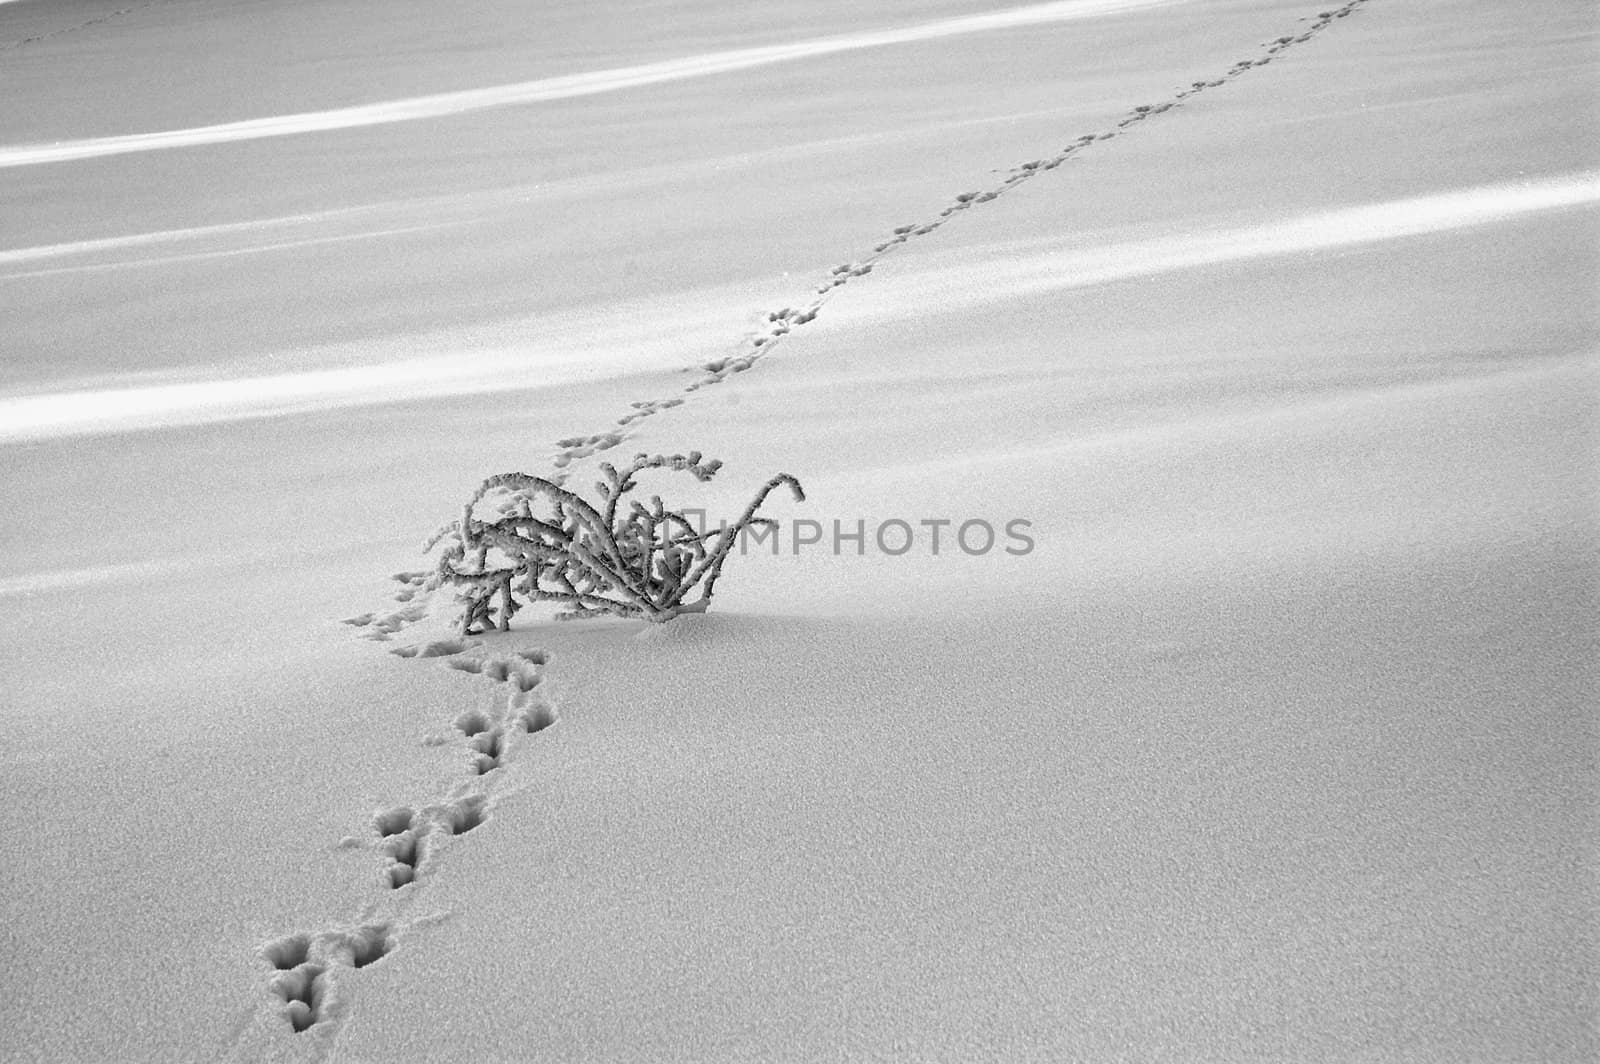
{"type": "Point", "coordinates": [781, 322]}
{"type": "Point", "coordinates": [411, 599]}
{"type": "Point", "coordinates": [303, 965]}
{"type": "Point", "coordinates": [78, 26]}
{"type": "Point", "coordinates": [306, 967]}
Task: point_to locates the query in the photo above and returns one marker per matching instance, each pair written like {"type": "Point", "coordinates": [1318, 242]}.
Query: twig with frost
{"type": "Point", "coordinates": [623, 557]}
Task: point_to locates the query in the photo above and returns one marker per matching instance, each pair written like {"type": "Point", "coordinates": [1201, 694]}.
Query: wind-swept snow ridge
{"type": "Point", "coordinates": [568, 86]}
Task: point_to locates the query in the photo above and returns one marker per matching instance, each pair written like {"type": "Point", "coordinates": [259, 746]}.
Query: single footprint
{"type": "Point", "coordinates": [521, 679]}
{"type": "Point", "coordinates": [536, 718]}
{"type": "Point", "coordinates": [365, 945]}
{"type": "Point", "coordinates": [392, 822]}
{"type": "Point", "coordinates": [439, 648]}
{"type": "Point", "coordinates": [402, 841]}
{"type": "Point", "coordinates": [472, 722]}
{"type": "Point", "coordinates": [288, 952]}
{"type": "Point", "coordinates": [407, 854]}
{"type": "Point", "coordinates": [297, 980]}
{"type": "Point", "coordinates": [490, 745]}
{"type": "Point", "coordinates": [467, 813]}
{"type": "Point", "coordinates": [498, 669]}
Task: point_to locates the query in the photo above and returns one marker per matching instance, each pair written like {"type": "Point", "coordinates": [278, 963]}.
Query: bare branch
{"type": "Point", "coordinates": [547, 544]}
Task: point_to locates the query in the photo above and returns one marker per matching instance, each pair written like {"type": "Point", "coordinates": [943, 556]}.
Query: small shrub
{"type": "Point", "coordinates": [621, 556]}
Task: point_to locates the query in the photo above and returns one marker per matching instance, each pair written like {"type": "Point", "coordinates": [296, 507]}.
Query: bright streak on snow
{"type": "Point", "coordinates": [390, 217]}
{"type": "Point", "coordinates": [69, 579]}
{"type": "Point", "coordinates": [1016, 274]}
{"type": "Point", "coordinates": [564, 87]}
{"type": "Point", "coordinates": [203, 401]}
{"type": "Point", "coordinates": [224, 253]}
{"type": "Point", "coordinates": [168, 237]}
{"type": "Point", "coordinates": [632, 339]}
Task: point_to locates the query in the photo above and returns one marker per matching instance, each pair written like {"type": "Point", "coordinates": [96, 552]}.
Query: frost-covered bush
{"type": "Point", "coordinates": [621, 556]}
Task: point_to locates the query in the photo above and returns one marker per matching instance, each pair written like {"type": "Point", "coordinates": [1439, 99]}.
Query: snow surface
{"type": "Point", "coordinates": [1279, 745]}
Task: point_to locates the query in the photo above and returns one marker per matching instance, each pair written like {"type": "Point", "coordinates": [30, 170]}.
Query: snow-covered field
{"type": "Point", "coordinates": [1277, 323]}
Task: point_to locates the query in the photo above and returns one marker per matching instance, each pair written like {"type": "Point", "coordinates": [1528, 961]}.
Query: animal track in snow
{"type": "Point", "coordinates": [472, 722]}
{"type": "Point", "coordinates": [486, 737]}
{"type": "Point", "coordinates": [520, 672]}
{"type": "Point", "coordinates": [76, 27]}
{"type": "Point", "coordinates": [392, 822]}
{"type": "Point", "coordinates": [646, 408]}
{"type": "Point", "coordinates": [575, 447]}
{"type": "Point", "coordinates": [288, 952]}
{"type": "Point", "coordinates": [717, 370]}
{"type": "Point", "coordinates": [303, 966]}
{"type": "Point", "coordinates": [535, 716]}
{"type": "Point", "coordinates": [509, 672]}
{"type": "Point", "coordinates": [302, 990]}
{"type": "Point", "coordinates": [403, 838]}
{"type": "Point", "coordinates": [384, 626]}
{"type": "Point", "coordinates": [489, 744]}
{"type": "Point", "coordinates": [438, 648]}
{"type": "Point", "coordinates": [411, 595]}
{"type": "Point", "coordinates": [464, 814]}
{"type": "Point", "coordinates": [406, 851]}
{"type": "Point", "coordinates": [365, 945]}
{"type": "Point", "coordinates": [411, 585]}
{"type": "Point", "coordinates": [406, 837]}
